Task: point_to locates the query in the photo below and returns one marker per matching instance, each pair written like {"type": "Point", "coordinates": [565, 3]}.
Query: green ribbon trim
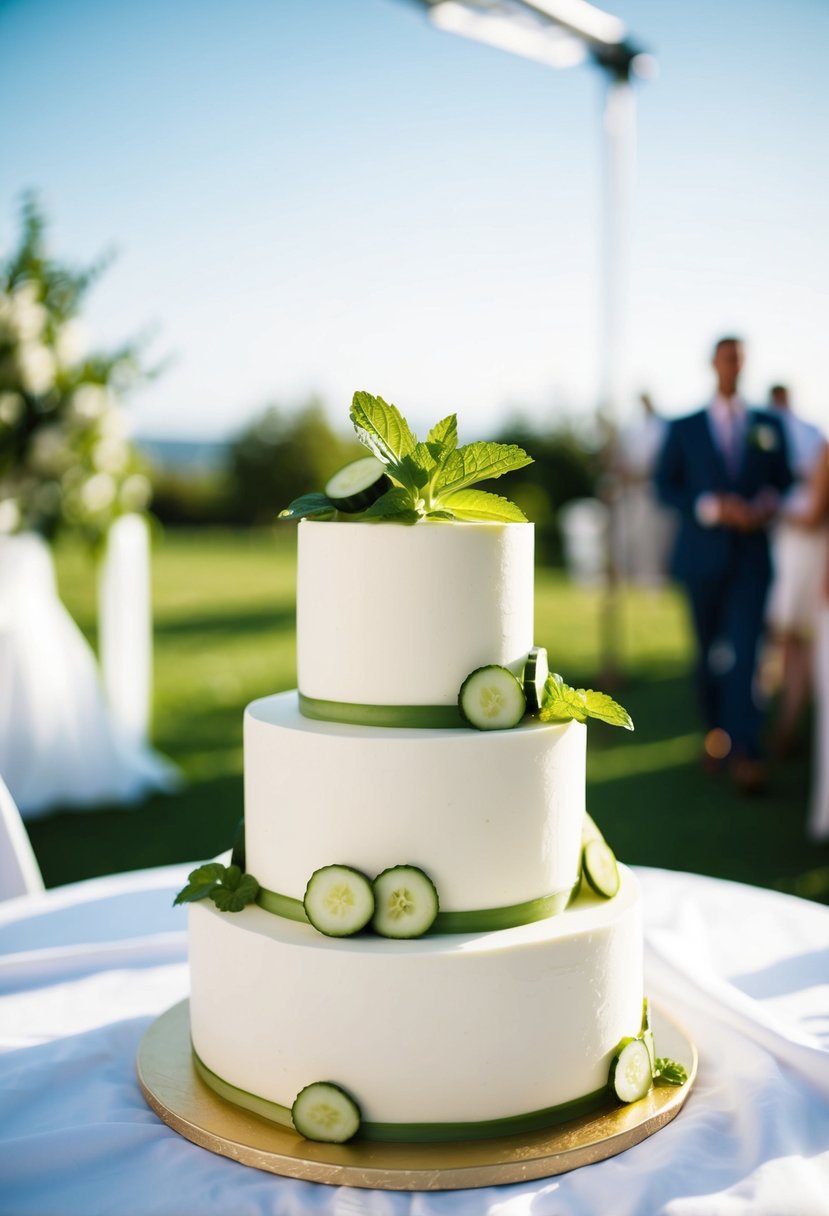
{"type": "Point", "coordinates": [281, 905]}
{"type": "Point", "coordinates": [241, 1097]}
{"type": "Point", "coordinates": [480, 920]}
{"type": "Point", "coordinates": [417, 1133]}
{"type": "Point", "coordinates": [422, 717]}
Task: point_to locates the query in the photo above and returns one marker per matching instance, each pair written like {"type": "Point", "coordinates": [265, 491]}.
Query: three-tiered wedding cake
{"type": "Point", "coordinates": [504, 1016]}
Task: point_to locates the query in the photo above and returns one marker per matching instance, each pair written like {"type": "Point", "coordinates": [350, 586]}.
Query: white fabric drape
{"type": "Point", "coordinates": [59, 743]}
{"type": "Point", "coordinates": [84, 969]}
{"type": "Point", "coordinates": [19, 871]}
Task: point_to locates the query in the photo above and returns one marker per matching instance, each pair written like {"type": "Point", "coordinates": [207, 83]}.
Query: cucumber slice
{"type": "Point", "coordinates": [536, 670]}
{"type": "Point", "coordinates": [631, 1075]}
{"type": "Point", "coordinates": [600, 869]}
{"type": "Point", "coordinates": [324, 1111]}
{"type": "Point", "coordinates": [356, 486]}
{"type": "Point", "coordinates": [405, 902]}
{"type": "Point", "coordinates": [646, 1034]}
{"type": "Point", "coordinates": [491, 698]}
{"type": "Point", "coordinates": [338, 901]}
{"type": "Point", "coordinates": [590, 829]}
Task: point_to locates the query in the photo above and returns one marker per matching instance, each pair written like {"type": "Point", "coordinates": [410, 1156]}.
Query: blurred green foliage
{"type": "Point", "coordinates": [566, 466]}
{"type": "Point", "coordinates": [191, 498]}
{"type": "Point", "coordinates": [283, 454]}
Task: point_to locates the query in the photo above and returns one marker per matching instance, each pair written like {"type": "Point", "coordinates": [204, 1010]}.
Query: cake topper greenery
{"type": "Point", "coordinates": [405, 480]}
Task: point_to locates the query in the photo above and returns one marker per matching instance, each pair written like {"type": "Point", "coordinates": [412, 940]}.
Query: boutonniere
{"type": "Point", "coordinates": [764, 437]}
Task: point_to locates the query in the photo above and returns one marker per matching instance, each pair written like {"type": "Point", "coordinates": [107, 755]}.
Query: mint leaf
{"type": "Point", "coordinates": [561, 703]}
{"type": "Point", "coordinates": [444, 434]}
{"type": "Point", "coordinates": [416, 469]}
{"type": "Point", "coordinates": [232, 877]}
{"type": "Point", "coordinates": [200, 883]}
{"type": "Point", "coordinates": [382, 428]}
{"type": "Point", "coordinates": [315, 504]}
{"type": "Point", "coordinates": [477, 462]}
{"type": "Point", "coordinates": [227, 886]}
{"type": "Point", "coordinates": [600, 705]}
{"type": "Point", "coordinates": [236, 891]}
{"type": "Point", "coordinates": [480, 504]}
{"type": "Point", "coordinates": [397, 503]}
{"type": "Point", "coordinates": [671, 1072]}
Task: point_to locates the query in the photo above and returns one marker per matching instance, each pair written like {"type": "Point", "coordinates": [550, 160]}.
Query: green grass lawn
{"type": "Point", "coordinates": [224, 634]}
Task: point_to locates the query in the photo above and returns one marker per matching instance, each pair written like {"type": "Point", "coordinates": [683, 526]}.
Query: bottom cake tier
{"type": "Point", "coordinates": [444, 1037]}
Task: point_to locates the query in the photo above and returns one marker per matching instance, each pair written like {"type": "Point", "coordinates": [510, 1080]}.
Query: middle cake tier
{"type": "Point", "coordinates": [494, 818]}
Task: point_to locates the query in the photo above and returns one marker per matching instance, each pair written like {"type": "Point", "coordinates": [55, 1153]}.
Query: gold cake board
{"type": "Point", "coordinates": [178, 1096]}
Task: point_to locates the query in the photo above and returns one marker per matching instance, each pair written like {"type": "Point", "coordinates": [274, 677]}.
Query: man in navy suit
{"type": "Point", "coordinates": [724, 468]}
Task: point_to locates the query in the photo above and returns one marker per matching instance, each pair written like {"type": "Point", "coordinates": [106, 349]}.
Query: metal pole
{"type": "Point", "coordinates": [619, 152]}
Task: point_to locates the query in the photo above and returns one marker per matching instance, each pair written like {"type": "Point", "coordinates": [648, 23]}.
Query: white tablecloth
{"type": "Point", "coordinates": [84, 969]}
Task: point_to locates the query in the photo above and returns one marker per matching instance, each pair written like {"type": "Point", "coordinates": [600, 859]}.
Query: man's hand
{"type": "Point", "coordinates": [744, 516]}
{"type": "Point", "coordinates": [737, 513]}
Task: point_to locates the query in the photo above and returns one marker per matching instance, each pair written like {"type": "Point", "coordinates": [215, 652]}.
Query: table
{"type": "Point", "coordinates": [85, 968]}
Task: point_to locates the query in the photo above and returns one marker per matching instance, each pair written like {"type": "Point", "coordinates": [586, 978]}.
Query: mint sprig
{"type": "Point", "coordinates": [431, 479]}
{"type": "Point", "coordinates": [562, 703]}
{"type": "Point", "coordinates": [435, 476]}
{"type": "Point", "coordinates": [227, 886]}
{"type": "Point", "coordinates": [670, 1072]}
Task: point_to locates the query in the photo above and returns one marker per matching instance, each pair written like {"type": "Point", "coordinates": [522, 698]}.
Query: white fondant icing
{"type": "Point", "coordinates": [394, 614]}
{"type": "Point", "coordinates": [493, 817]}
{"type": "Point", "coordinates": [441, 1029]}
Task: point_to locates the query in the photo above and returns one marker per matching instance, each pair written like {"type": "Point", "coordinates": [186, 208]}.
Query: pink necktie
{"type": "Point", "coordinates": [731, 438]}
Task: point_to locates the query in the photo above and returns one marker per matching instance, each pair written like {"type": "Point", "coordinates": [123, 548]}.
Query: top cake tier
{"type": "Point", "coordinates": [399, 615]}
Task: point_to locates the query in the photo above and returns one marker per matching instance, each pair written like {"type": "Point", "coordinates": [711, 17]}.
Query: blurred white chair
{"type": "Point", "coordinates": [584, 531]}
{"type": "Point", "coordinates": [19, 871]}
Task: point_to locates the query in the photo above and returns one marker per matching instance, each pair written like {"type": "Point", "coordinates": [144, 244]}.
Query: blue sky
{"type": "Point", "coordinates": [329, 195]}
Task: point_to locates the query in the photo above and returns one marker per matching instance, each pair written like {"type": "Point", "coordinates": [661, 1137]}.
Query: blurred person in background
{"type": "Point", "coordinates": [724, 469]}
{"type": "Point", "coordinates": [644, 529]}
{"type": "Point", "coordinates": [799, 560]}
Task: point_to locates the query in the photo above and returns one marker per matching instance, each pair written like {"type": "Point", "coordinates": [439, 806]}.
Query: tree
{"type": "Point", "coordinates": [281, 456]}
